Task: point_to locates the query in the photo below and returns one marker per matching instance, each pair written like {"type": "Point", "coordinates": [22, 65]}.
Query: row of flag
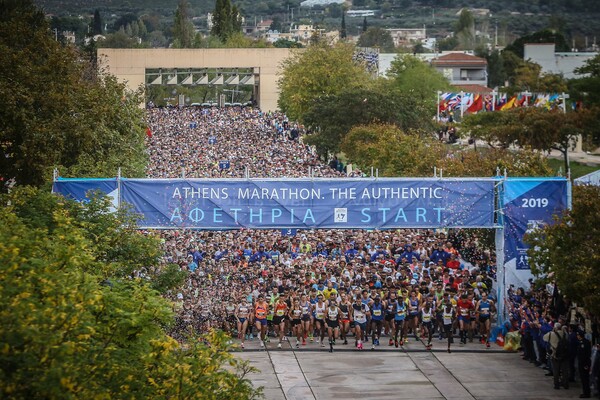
{"type": "Point", "coordinates": [475, 102]}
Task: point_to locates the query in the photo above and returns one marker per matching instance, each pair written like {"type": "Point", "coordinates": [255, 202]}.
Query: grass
{"type": "Point", "coordinates": [577, 169]}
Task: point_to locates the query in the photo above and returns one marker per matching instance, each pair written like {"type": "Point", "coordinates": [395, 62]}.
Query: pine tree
{"type": "Point", "coordinates": [365, 26]}
{"type": "Point", "coordinates": [97, 23]}
{"type": "Point", "coordinates": [343, 33]}
{"type": "Point", "coordinates": [183, 29]}
{"type": "Point", "coordinates": [226, 20]}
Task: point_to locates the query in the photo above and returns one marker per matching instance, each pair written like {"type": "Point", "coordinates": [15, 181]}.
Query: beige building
{"type": "Point", "coordinates": [406, 36]}
{"type": "Point", "coordinates": [131, 65]}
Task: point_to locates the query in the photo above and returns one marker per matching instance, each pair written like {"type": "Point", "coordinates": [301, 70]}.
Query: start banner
{"type": "Point", "coordinates": [308, 203]}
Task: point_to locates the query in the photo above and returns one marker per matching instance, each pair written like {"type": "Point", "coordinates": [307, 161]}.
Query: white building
{"type": "Point", "coordinates": [556, 63]}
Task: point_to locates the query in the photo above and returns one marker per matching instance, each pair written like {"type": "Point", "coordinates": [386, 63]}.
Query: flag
{"type": "Point", "coordinates": [522, 101]}
{"type": "Point", "coordinates": [477, 104]}
{"type": "Point", "coordinates": [148, 132]}
{"type": "Point", "coordinates": [467, 100]}
{"type": "Point", "coordinates": [501, 102]}
{"type": "Point", "coordinates": [509, 104]}
{"type": "Point", "coordinates": [454, 102]}
{"type": "Point", "coordinates": [488, 102]}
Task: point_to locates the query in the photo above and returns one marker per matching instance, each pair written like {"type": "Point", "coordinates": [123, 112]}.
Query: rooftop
{"type": "Point", "coordinates": [459, 59]}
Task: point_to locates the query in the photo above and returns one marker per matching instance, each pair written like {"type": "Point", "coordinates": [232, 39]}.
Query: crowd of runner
{"type": "Point", "coordinates": [333, 287]}
{"type": "Point", "coordinates": [228, 143]}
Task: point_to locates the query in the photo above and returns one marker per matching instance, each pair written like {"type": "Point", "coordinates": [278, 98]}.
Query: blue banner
{"type": "Point", "coordinates": [306, 203]}
{"type": "Point", "coordinates": [81, 189]}
{"type": "Point", "coordinates": [529, 203]}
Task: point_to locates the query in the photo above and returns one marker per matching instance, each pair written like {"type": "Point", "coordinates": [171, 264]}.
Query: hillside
{"type": "Point", "coordinates": [513, 18]}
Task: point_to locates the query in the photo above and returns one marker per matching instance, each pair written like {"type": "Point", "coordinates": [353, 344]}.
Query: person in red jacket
{"type": "Point", "coordinates": [464, 307]}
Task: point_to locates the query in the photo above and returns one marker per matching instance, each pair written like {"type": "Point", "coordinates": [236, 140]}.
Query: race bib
{"type": "Point", "coordinates": [377, 313]}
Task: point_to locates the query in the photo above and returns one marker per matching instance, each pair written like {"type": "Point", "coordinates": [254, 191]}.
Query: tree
{"type": "Point", "coordinates": [563, 252]}
{"type": "Point", "coordinates": [285, 43]}
{"type": "Point", "coordinates": [333, 116]}
{"type": "Point", "coordinates": [377, 37]}
{"type": "Point", "coordinates": [391, 150]}
{"type": "Point", "coordinates": [587, 87]}
{"type": "Point", "coordinates": [118, 40]}
{"type": "Point", "coordinates": [226, 20]}
{"type": "Point", "coordinates": [319, 70]}
{"type": "Point", "coordinates": [97, 23]}
{"type": "Point", "coordinates": [183, 29]}
{"type": "Point", "coordinates": [543, 36]}
{"type": "Point", "coordinates": [56, 112]}
{"type": "Point", "coordinates": [532, 127]}
{"type": "Point", "coordinates": [412, 76]}
{"type": "Point", "coordinates": [486, 162]}
{"type": "Point", "coordinates": [465, 30]}
{"type": "Point", "coordinates": [79, 325]}
{"type": "Point", "coordinates": [364, 25]}
{"type": "Point", "coordinates": [343, 33]}
{"type": "Point", "coordinates": [496, 71]}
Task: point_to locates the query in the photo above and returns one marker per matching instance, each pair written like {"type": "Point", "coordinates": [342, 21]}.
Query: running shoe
{"type": "Point", "coordinates": [303, 342]}
{"type": "Point", "coordinates": [279, 345]}
{"type": "Point", "coordinates": [487, 344]}
{"type": "Point", "coordinates": [311, 338]}
{"type": "Point", "coordinates": [333, 342]}
{"type": "Point", "coordinates": [345, 341]}
{"type": "Point", "coordinates": [322, 344]}
{"type": "Point", "coordinates": [391, 343]}
{"type": "Point", "coordinates": [401, 342]}
{"type": "Point", "coordinates": [251, 336]}
{"type": "Point", "coordinates": [359, 346]}
{"type": "Point", "coordinates": [242, 345]}
{"type": "Point", "coordinates": [396, 343]}
{"type": "Point", "coordinates": [372, 347]}
{"type": "Point", "coordinates": [262, 344]}
{"type": "Point", "coordinates": [376, 342]}
{"type": "Point", "coordinates": [297, 344]}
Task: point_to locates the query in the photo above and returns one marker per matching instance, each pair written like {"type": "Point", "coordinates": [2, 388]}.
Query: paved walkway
{"type": "Point", "coordinates": [470, 372]}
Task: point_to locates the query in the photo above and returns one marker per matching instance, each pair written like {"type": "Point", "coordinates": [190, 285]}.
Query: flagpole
{"type": "Point", "coordinates": [462, 110]}
{"type": "Point", "coordinates": [438, 106]}
{"type": "Point", "coordinates": [494, 93]}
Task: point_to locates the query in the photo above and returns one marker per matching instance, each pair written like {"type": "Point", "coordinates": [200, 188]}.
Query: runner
{"type": "Point", "coordinates": [399, 321]}
{"type": "Point", "coordinates": [241, 315]}
{"type": "Point", "coordinates": [484, 307]}
{"type": "Point", "coordinates": [306, 318]}
{"type": "Point", "coordinates": [319, 310]}
{"type": "Point", "coordinates": [448, 316]}
{"type": "Point", "coordinates": [280, 311]}
{"type": "Point", "coordinates": [413, 314]}
{"type": "Point", "coordinates": [332, 315]}
{"type": "Point", "coordinates": [360, 312]}
{"type": "Point", "coordinates": [390, 312]}
{"type": "Point", "coordinates": [427, 322]}
{"type": "Point", "coordinates": [261, 308]}
{"type": "Point", "coordinates": [377, 316]}
{"type": "Point", "coordinates": [345, 305]}
{"type": "Point", "coordinates": [295, 316]}
{"type": "Point", "coordinates": [464, 307]}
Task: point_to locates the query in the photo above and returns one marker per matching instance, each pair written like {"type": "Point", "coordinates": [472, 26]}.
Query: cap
{"type": "Point", "coordinates": [557, 326]}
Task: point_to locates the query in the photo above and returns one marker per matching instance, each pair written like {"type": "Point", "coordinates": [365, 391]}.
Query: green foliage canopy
{"type": "Point", "coordinates": [564, 252]}
{"type": "Point", "coordinates": [317, 71]}
{"type": "Point", "coordinates": [76, 324]}
{"type": "Point", "coordinates": [56, 112]}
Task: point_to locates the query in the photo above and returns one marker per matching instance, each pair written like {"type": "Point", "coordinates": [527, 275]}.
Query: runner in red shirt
{"type": "Point", "coordinates": [464, 307]}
